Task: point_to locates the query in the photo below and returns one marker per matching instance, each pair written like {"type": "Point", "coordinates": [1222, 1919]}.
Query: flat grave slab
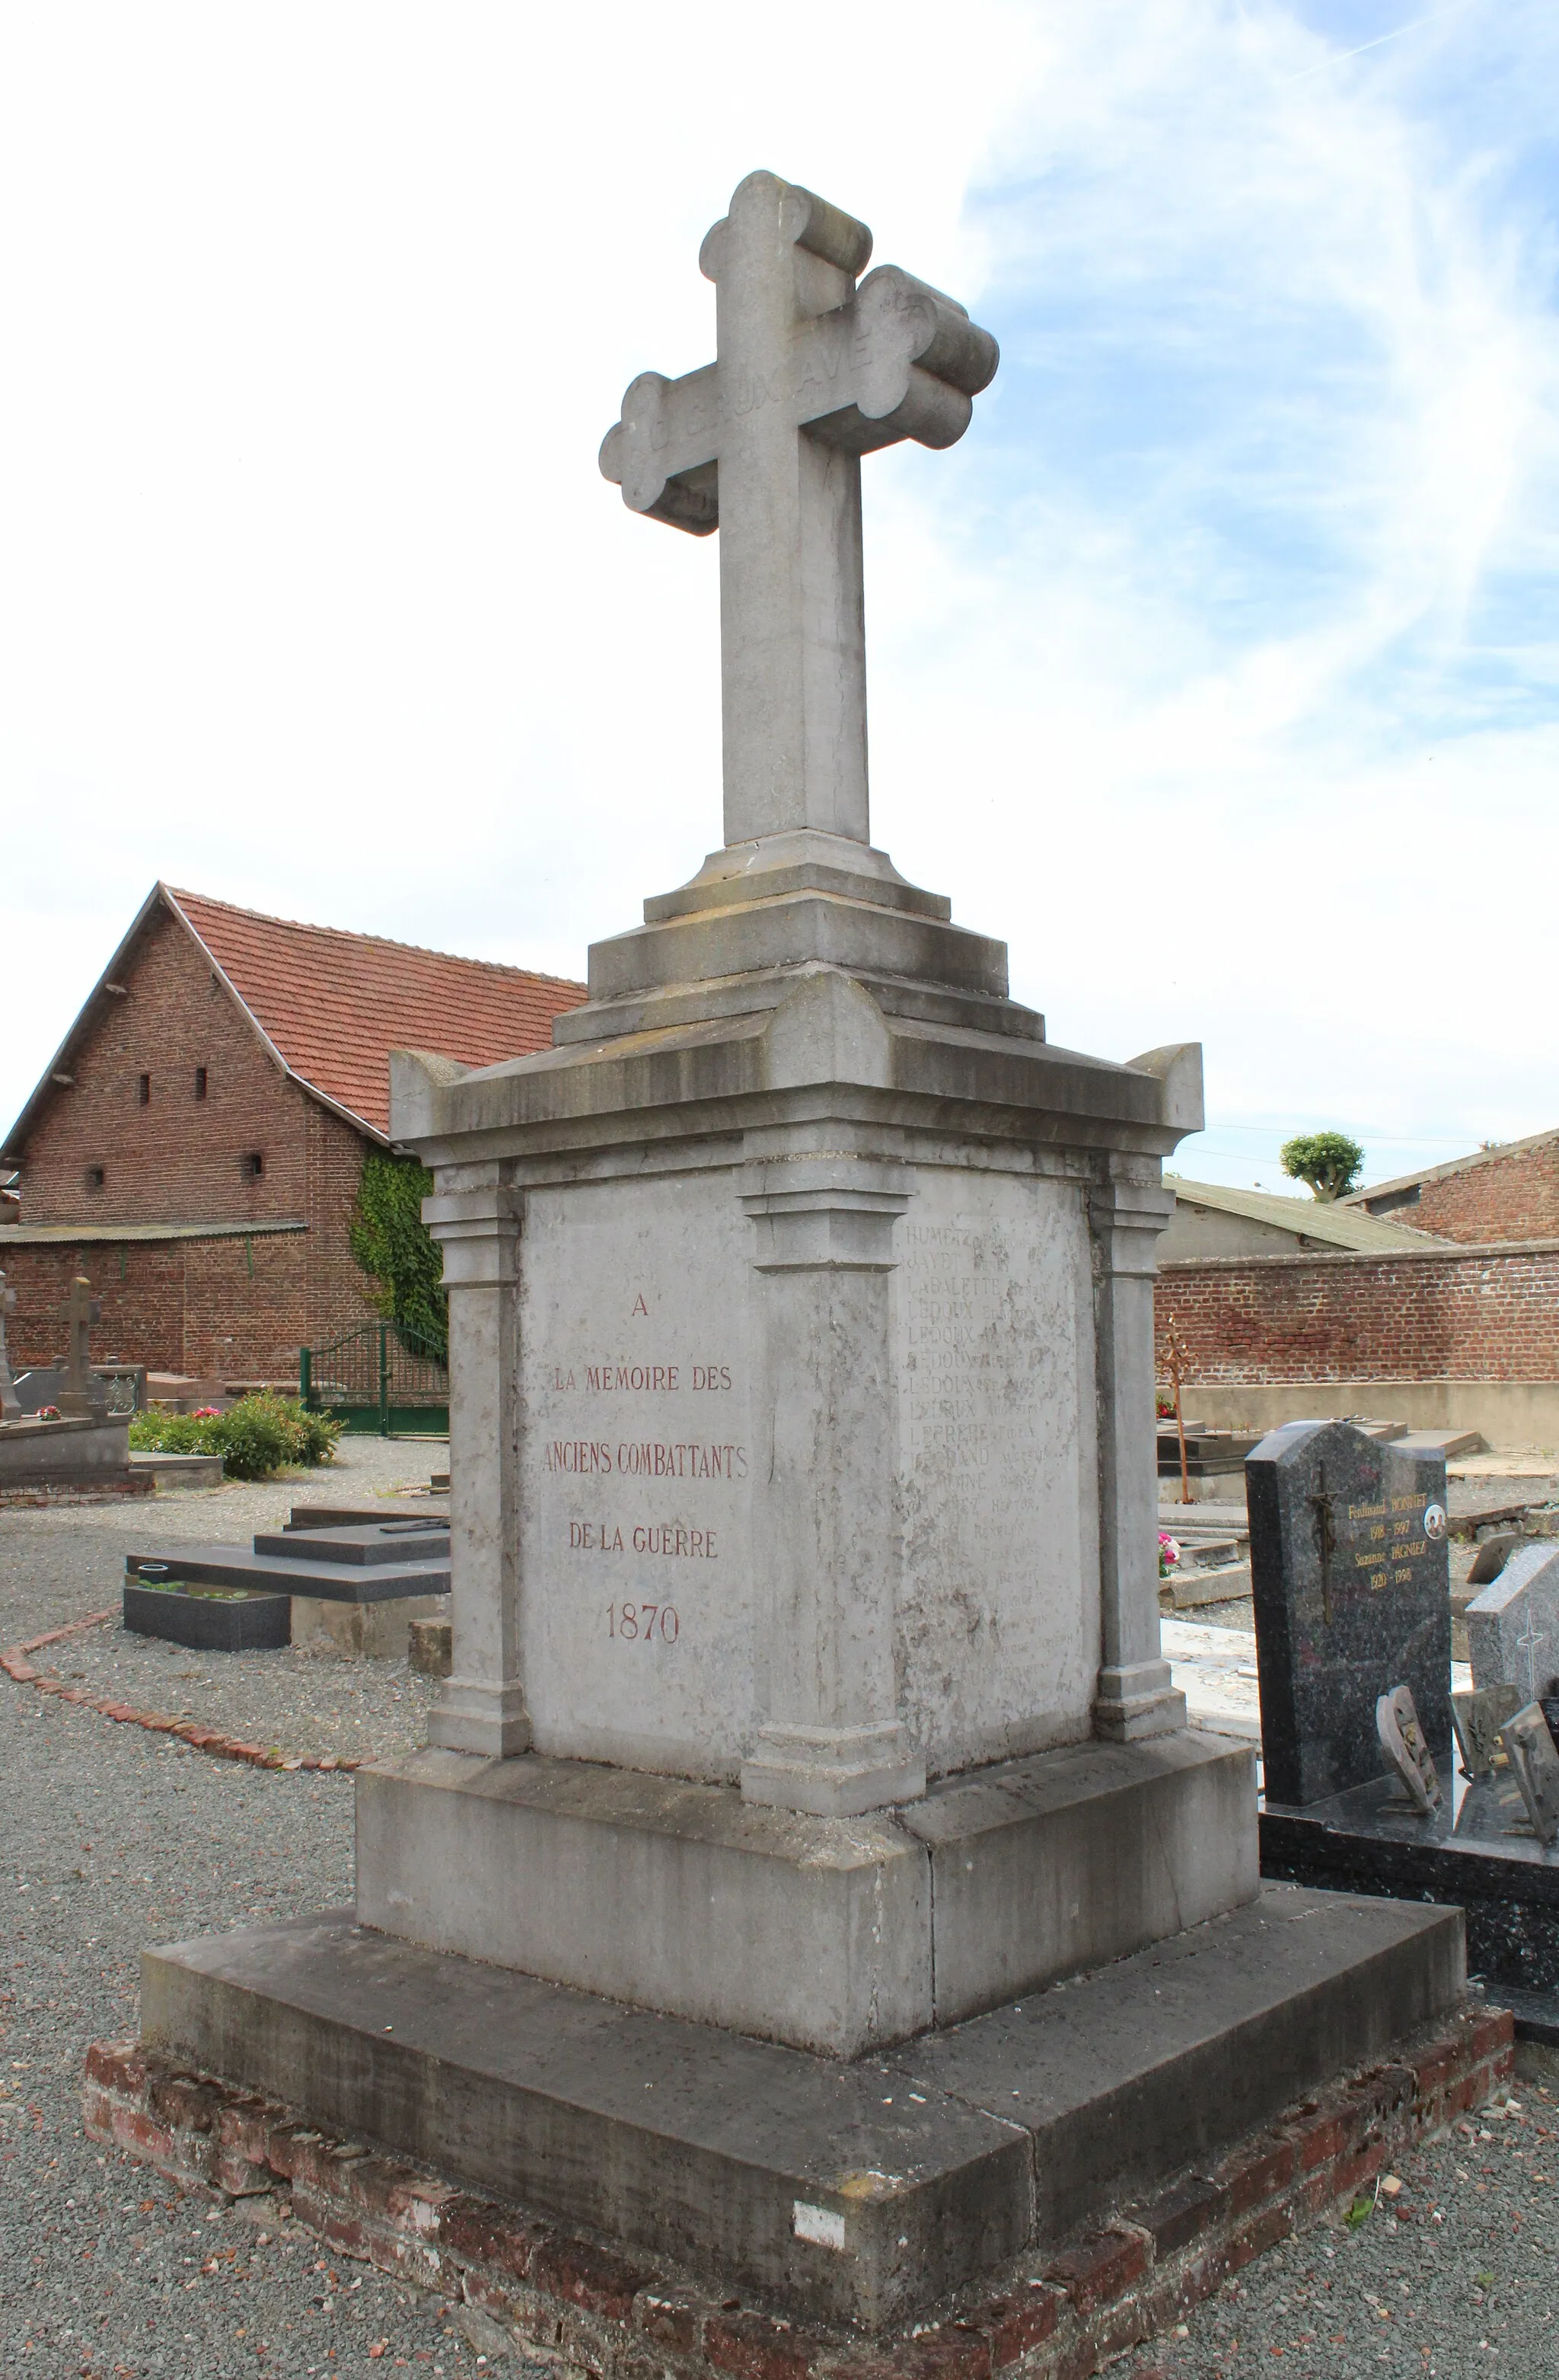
{"type": "Point", "coordinates": [305, 1517]}
{"type": "Point", "coordinates": [366, 1544]}
{"type": "Point", "coordinates": [858, 2192]}
{"type": "Point", "coordinates": [330, 1581]}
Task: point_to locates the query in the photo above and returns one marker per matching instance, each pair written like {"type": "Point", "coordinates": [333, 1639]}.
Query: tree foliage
{"type": "Point", "coordinates": [394, 1248]}
{"type": "Point", "coordinates": [1329, 1161]}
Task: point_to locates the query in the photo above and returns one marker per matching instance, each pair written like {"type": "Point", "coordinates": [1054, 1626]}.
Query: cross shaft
{"type": "Point", "coordinates": [765, 445]}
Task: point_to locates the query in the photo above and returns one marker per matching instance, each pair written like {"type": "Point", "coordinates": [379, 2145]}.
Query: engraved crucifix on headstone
{"type": "Point", "coordinates": [81, 1394]}
{"type": "Point", "coordinates": [10, 1404]}
{"type": "Point", "coordinates": [1531, 1636]}
{"type": "Point", "coordinates": [764, 445]}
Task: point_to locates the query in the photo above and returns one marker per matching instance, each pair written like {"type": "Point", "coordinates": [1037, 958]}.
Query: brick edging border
{"type": "Point", "coordinates": [1055, 2317]}
{"type": "Point", "coordinates": [15, 1665]}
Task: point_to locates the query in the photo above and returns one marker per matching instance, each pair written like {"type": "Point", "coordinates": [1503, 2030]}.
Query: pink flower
{"type": "Point", "coordinates": [48, 1412]}
{"type": "Point", "coordinates": [205, 1412]}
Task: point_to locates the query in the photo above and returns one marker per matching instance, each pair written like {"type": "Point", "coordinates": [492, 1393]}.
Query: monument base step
{"type": "Point", "coordinates": [857, 2195]}
{"type": "Point", "coordinates": [838, 1934]}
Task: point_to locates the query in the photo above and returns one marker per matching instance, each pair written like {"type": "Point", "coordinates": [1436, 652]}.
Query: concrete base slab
{"type": "Point", "coordinates": [379, 1631]}
{"type": "Point", "coordinates": [842, 2194]}
{"type": "Point", "coordinates": [834, 1934]}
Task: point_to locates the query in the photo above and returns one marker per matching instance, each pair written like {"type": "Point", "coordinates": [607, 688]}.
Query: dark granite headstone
{"type": "Point", "coordinates": [1350, 1573]}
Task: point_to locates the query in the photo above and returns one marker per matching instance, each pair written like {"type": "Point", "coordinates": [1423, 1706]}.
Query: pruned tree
{"type": "Point", "coordinates": [1329, 1161]}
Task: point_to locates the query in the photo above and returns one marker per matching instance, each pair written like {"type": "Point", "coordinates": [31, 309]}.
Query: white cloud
{"type": "Point", "coordinates": [1217, 668]}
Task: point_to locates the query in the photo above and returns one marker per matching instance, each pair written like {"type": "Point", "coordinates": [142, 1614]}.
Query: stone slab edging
{"type": "Point", "coordinates": [618, 2317]}
{"type": "Point", "coordinates": [15, 1663]}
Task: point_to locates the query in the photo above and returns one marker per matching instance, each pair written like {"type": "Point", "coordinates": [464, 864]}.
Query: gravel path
{"type": "Point", "coordinates": [1459, 2280]}
{"type": "Point", "coordinates": [114, 1838]}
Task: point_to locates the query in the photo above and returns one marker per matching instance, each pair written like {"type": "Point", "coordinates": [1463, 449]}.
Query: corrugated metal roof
{"type": "Point", "coordinates": [1333, 1225]}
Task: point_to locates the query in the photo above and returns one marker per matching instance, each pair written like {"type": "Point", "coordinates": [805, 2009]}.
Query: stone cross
{"type": "Point", "coordinates": [811, 373]}
{"type": "Point", "coordinates": [10, 1404]}
{"type": "Point", "coordinates": [79, 1311]}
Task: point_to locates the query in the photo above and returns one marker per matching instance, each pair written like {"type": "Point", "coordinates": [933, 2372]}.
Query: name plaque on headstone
{"type": "Point", "coordinates": [1350, 1573]}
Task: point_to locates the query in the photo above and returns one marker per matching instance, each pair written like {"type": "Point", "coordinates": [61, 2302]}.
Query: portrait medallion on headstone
{"type": "Point", "coordinates": [1350, 1573]}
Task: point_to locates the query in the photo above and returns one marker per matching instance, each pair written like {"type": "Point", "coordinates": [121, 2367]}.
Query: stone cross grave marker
{"type": "Point", "coordinates": [1351, 1572]}
{"type": "Point", "coordinates": [10, 1404]}
{"type": "Point", "coordinates": [81, 1394]}
{"type": "Point", "coordinates": [1513, 1626]}
{"type": "Point", "coordinates": [809, 374]}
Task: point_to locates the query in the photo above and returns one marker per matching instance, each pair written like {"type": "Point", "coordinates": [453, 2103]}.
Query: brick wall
{"type": "Point", "coordinates": [177, 1159]}
{"type": "Point", "coordinates": [237, 1307]}
{"type": "Point", "coordinates": [1470, 1314]}
{"type": "Point", "coordinates": [1503, 1197]}
{"type": "Point", "coordinates": [175, 1305]}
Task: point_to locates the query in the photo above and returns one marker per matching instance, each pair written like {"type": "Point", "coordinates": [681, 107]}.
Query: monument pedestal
{"type": "Point", "coordinates": [859, 2195]}
{"type": "Point", "coordinates": [835, 1935]}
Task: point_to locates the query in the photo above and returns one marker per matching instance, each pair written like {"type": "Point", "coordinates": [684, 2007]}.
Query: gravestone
{"type": "Point", "coordinates": [806, 1681]}
{"type": "Point", "coordinates": [81, 1395]}
{"type": "Point", "coordinates": [10, 1404]}
{"type": "Point", "coordinates": [1513, 1626]}
{"type": "Point", "coordinates": [1350, 1575]}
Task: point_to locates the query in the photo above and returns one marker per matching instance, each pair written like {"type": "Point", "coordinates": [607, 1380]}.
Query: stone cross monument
{"type": "Point", "coordinates": [10, 1404]}
{"type": "Point", "coordinates": [802, 1297]}
{"type": "Point", "coordinates": [82, 1394]}
{"type": "Point", "coordinates": [806, 1689]}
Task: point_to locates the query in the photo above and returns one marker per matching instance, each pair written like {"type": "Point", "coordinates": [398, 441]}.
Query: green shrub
{"type": "Point", "coordinates": [256, 1438]}
{"type": "Point", "coordinates": [394, 1248]}
{"type": "Point", "coordinates": [158, 1433]}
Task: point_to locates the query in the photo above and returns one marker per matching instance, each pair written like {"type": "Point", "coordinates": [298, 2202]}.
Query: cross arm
{"type": "Point", "coordinates": [906, 358]}
{"type": "Point", "coordinates": [662, 451]}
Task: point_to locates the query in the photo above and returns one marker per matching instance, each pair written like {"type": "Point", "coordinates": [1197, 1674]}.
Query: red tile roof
{"type": "Point", "coordinates": [335, 1004]}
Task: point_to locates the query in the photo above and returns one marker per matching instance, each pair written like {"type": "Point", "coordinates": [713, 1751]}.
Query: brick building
{"type": "Point", "coordinates": [1510, 1193]}
{"type": "Point", "coordinates": [196, 1144]}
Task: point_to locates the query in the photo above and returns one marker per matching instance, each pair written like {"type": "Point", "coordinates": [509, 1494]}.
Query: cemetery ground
{"type": "Point", "coordinates": [117, 1836]}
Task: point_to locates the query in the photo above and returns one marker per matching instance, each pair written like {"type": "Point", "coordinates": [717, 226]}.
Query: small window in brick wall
{"type": "Point", "coordinates": [95, 1177]}
{"type": "Point", "coordinates": [252, 1165]}
{"type": "Point", "coordinates": [200, 1082]}
{"type": "Point", "coordinates": [144, 1090]}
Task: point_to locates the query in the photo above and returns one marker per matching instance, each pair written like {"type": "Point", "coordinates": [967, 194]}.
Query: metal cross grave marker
{"type": "Point", "coordinates": [811, 373]}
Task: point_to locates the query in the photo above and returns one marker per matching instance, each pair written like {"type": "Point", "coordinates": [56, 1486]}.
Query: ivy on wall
{"type": "Point", "coordinates": [394, 1248]}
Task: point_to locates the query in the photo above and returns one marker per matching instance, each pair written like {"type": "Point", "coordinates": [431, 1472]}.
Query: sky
{"type": "Point", "coordinates": [1217, 669]}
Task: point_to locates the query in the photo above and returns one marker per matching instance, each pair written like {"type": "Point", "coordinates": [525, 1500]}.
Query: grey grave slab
{"type": "Point", "coordinates": [327, 1581]}
{"type": "Point", "coordinates": [370, 1544]}
{"type": "Point", "coordinates": [306, 1517]}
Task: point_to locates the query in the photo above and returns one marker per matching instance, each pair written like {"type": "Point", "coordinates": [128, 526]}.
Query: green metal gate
{"type": "Point", "coordinates": [379, 1378]}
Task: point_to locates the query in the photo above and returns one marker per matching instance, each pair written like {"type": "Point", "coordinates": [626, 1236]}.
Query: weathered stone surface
{"type": "Point", "coordinates": [833, 1934]}
{"type": "Point", "coordinates": [857, 2193]}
